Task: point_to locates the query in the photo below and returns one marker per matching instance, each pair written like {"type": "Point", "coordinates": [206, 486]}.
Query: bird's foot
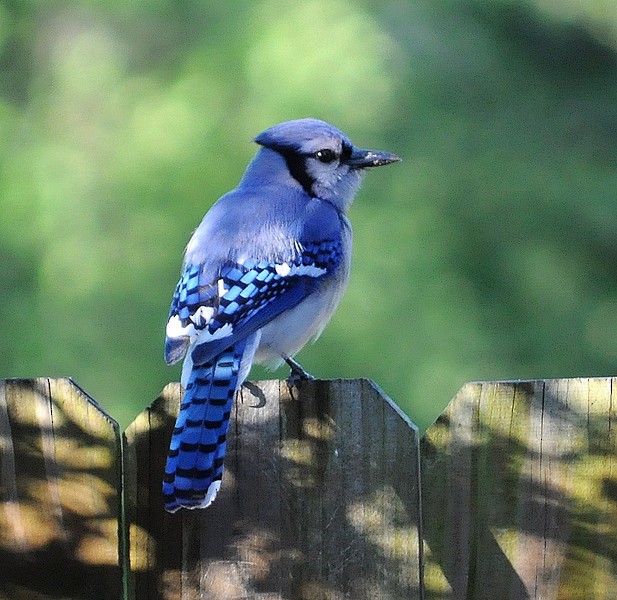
{"type": "Point", "coordinates": [298, 373]}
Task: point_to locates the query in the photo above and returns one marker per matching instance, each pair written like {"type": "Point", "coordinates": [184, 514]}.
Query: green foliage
{"type": "Point", "coordinates": [488, 253]}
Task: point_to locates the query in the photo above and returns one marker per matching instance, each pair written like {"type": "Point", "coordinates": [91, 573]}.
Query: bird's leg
{"type": "Point", "coordinates": [297, 371]}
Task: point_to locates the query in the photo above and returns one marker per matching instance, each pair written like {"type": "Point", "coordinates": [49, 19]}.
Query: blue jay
{"type": "Point", "coordinates": [262, 275]}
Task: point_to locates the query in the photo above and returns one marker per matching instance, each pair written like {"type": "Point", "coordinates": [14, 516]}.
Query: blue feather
{"type": "Point", "coordinates": [256, 294]}
{"type": "Point", "coordinates": [195, 461]}
{"type": "Point", "coordinates": [262, 275]}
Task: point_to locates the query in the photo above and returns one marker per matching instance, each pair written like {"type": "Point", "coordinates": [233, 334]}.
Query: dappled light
{"type": "Point", "coordinates": [59, 498]}
{"type": "Point", "coordinates": [321, 495]}
{"type": "Point", "coordinates": [311, 504]}
{"type": "Point", "coordinates": [515, 481]}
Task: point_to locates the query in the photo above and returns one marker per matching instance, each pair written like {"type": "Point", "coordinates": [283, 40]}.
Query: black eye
{"type": "Point", "coordinates": [326, 155]}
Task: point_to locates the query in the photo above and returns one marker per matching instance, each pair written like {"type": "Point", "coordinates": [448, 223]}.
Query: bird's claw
{"type": "Point", "coordinates": [298, 373]}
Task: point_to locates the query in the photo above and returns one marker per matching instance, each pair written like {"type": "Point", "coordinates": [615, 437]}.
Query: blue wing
{"type": "Point", "coordinates": [216, 312]}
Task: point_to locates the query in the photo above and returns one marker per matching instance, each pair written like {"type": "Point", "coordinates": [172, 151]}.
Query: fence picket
{"type": "Point", "coordinates": [322, 496]}
{"type": "Point", "coordinates": [519, 492]}
{"type": "Point", "coordinates": [60, 476]}
{"type": "Point", "coordinates": [319, 500]}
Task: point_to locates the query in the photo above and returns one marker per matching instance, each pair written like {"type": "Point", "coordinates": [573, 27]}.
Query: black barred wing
{"type": "Point", "coordinates": [213, 314]}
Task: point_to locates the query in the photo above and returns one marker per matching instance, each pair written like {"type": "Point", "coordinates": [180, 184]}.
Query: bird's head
{"type": "Point", "coordinates": [322, 159]}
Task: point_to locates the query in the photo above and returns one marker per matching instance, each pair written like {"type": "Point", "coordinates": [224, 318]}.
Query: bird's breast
{"type": "Point", "coordinates": [292, 330]}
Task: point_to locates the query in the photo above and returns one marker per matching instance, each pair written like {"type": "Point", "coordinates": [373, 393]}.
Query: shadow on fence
{"type": "Point", "coordinates": [520, 470]}
{"type": "Point", "coordinates": [322, 496]}
{"type": "Point", "coordinates": [59, 477]}
{"type": "Point", "coordinates": [308, 507]}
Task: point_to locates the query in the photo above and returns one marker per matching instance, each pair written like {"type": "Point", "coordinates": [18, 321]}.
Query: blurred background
{"type": "Point", "coordinates": [489, 253]}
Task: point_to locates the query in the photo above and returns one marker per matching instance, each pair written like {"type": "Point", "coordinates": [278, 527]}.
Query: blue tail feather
{"type": "Point", "coordinates": [195, 461]}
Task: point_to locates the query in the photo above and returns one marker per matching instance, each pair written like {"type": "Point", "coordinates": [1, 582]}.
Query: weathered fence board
{"type": "Point", "coordinates": [319, 500]}
{"type": "Point", "coordinates": [321, 497]}
{"type": "Point", "coordinates": [519, 492]}
{"type": "Point", "coordinates": [60, 476]}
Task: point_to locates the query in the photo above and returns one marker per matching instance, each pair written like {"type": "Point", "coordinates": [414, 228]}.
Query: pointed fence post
{"type": "Point", "coordinates": [60, 476]}
{"type": "Point", "coordinates": [519, 492]}
{"type": "Point", "coordinates": [320, 499]}
{"type": "Point", "coordinates": [321, 496]}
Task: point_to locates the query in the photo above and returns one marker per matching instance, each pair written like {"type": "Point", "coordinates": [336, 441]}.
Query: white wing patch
{"type": "Point", "coordinates": [201, 318]}
{"type": "Point", "coordinates": [286, 270]}
{"type": "Point", "coordinates": [197, 327]}
{"type": "Point", "coordinates": [175, 330]}
{"type": "Point", "coordinates": [224, 331]}
{"type": "Point", "coordinates": [283, 270]}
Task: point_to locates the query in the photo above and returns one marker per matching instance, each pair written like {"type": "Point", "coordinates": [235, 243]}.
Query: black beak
{"type": "Point", "coordinates": [360, 159]}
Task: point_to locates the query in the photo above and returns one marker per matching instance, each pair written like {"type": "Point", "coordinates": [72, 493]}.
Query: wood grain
{"type": "Point", "coordinates": [319, 500]}
{"type": "Point", "coordinates": [321, 496]}
{"type": "Point", "coordinates": [60, 476]}
{"type": "Point", "coordinates": [519, 488]}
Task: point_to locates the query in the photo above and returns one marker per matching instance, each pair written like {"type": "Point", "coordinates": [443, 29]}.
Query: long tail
{"type": "Point", "coordinates": [195, 461]}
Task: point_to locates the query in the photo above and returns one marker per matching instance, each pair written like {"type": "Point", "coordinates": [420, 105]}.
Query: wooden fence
{"type": "Point", "coordinates": [328, 494]}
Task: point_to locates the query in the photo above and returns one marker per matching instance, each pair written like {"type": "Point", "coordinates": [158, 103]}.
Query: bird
{"type": "Point", "coordinates": [261, 277]}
